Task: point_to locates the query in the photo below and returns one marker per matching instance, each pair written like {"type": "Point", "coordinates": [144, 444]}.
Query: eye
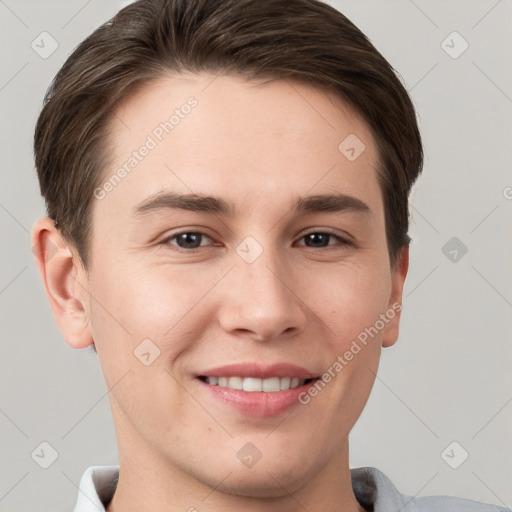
{"type": "Point", "coordinates": [187, 240]}
{"type": "Point", "coordinates": [319, 240]}
{"type": "Point", "coordinates": [193, 240]}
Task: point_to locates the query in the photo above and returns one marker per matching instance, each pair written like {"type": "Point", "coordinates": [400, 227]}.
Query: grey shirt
{"type": "Point", "coordinates": [372, 488]}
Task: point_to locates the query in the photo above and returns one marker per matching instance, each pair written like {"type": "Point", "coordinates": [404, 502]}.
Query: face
{"type": "Point", "coordinates": [268, 272]}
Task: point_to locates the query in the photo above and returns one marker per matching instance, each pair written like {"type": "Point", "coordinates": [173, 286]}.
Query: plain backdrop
{"type": "Point", "coordinates": [443, 392]}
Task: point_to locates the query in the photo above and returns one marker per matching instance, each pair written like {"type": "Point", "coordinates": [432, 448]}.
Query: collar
{"type": "Point", "coordinates": [97, 488]}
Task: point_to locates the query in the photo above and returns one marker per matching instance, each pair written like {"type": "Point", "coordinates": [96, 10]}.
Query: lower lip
{"type": "Point", "coordinates": [258, 403]}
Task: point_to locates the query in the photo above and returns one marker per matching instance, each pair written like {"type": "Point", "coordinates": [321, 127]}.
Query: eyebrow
{"type": "Point", "coordinates": [215, 205]}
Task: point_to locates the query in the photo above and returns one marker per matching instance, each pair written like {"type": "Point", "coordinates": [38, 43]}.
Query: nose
{"type": "Point", "coordinates": [261, 300]}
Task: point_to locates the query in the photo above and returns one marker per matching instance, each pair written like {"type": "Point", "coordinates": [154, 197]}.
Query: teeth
{"type": "Point", "coordinates": [273, 384]}
{"type": "Point", "coordinates": [250, 384]}
{"type": "Point", "coordinates": [253, 384]}
{"type": "Point", "coordinates": [235, 383]}
{"type": "Point", "coordinates": [285, 383]}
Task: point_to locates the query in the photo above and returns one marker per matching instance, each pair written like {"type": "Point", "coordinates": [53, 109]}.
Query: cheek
{"type": "Point", "coordinates": [135, 301]}
{"type": "Point", "coordinates": [356, 296]}
{"type": "Point", "coordinates": [351, 304]}
{"type": "Point", "coordinates": [351, 299]}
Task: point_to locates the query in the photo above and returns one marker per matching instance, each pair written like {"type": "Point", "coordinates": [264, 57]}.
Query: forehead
{"type": "Point", "coordinates": [223, 135]}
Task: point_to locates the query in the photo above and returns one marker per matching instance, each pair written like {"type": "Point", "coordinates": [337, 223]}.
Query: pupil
{"type": "Point", "coordinates": [318, 239]}
{"type": "Point", "coordinates": [189, 240]}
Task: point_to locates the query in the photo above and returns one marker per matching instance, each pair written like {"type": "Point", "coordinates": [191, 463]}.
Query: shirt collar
{"type": "Point", "coordinates": [97, 488]}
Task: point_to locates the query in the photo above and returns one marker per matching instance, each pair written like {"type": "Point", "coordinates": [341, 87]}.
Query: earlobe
{"type": "Point", "coordinates": [393, 313]}
{"type": "Point", "coordinates": [64, 281]}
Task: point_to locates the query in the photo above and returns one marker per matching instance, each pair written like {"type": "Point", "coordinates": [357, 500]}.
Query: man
{"type": "Point", "coordinates": [227, 186]}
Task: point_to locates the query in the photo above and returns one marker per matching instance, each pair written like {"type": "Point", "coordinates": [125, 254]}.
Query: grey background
{"type": "Point", "coordinates": [447, 379]}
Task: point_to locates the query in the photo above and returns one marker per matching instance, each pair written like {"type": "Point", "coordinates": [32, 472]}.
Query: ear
{"type": "Point", "coordinates": [65, 280]}
{"type": "Point", "coordinates": [394, 310]}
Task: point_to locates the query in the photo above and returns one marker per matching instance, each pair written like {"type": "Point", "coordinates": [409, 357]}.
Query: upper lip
{"type": "Point", "coordinates": [258, 371]}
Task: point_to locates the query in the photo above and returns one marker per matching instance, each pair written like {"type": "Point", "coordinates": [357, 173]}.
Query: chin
{"type": "Point", "coordinates": [261, 485]}
{"type": "Point", "coordinates": [266, 479]}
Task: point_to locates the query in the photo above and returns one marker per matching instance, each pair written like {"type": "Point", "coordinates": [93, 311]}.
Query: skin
{"type": "Point", "coordinates": [259, 146]}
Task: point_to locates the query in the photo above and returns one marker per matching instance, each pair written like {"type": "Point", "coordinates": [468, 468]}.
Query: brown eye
{"type": "Point", "coordinates": [187, 240]}
{"type": "Point", "coordinates": [319, 240]}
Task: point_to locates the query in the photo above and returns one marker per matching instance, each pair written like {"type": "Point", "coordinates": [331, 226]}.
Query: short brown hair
{"type": "Point", "coordinates": [305, 40]}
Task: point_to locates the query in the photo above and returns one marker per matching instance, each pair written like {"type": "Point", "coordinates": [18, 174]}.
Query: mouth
{"type": "Point", "coordinates": [254, 390]}
{"type": "Point", "coordinates": [255, 384]}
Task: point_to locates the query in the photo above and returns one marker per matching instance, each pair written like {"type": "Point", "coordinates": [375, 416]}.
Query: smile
{"type": "Point", "coordinates": [254, 384]}
{"type": "Point", "coordinates": [255, 389]}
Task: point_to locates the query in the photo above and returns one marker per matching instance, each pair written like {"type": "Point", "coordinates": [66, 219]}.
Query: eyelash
{"type": "Point", "coordinates": [167, 241]}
